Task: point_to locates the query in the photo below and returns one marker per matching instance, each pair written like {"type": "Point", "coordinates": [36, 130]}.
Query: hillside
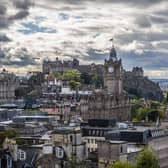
{"type": "Point", "coordinates": [142, 87]}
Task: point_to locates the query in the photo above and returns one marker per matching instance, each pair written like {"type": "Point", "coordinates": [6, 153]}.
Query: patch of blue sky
{"type": "Point", "coordinates": [78, 17]}
{"type": "Point", "coordinates": [31, 28]}
{"type": "Point", "coordinates": [64, 16]}
{"type": "Point", "coordinates": [40, 19]}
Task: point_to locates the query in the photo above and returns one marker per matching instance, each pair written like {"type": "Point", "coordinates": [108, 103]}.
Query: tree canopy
{"type": "Point", "coordinates": [150, 111]}
{"type": "Point", "coordinates": [120, 164]}
{"type": "Point", "coordinates": [72, 74]}
{"type": "Point", "coordinates": [147, 159]}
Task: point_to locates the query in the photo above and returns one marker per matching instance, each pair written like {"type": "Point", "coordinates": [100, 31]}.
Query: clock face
{"type": "Point", "coordinates": [110, 69]}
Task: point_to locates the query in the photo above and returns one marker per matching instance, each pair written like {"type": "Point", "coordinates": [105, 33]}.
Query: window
{"type": "Point", "coordinates": [71, 138]}
{"type": "Point", "coordinates": [88, 150]}
{"type": "Point", "coordinates": [59, 152]}
{"type": "Point", "coordinates": [92, 141]}
{"type": "Point", "coordinates": [21, 155]}
{"type": "Point", "coordinates": [121, 149]}
{"type": "Point", "coordinates": [9, 161]}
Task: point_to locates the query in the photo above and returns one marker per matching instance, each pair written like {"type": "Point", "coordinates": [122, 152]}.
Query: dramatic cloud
{"type": "Point", "coordinates": [4, 38]}
{"type": "Point", "coordinates": [19, 15]}
{"type": "Point", "coordinates": [2, 9]}
{"type": "Point", "coordinates": [82, 29]}
{"type": "Point", "coordinates": [19, 10]}
{"type": "Point", "coordinates": [23, 4]}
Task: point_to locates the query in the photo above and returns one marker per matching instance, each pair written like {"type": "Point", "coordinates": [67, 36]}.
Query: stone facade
{"type": "Point", "coordinates": [8, 84]}
{"type": "Point", "coordinates": [138, 71]}
{"type": "Point", "coordinates": [101, 105]}
{"type": "Point", "coordinates": [56, 66]}
{"type": "Point", "coordinates": [70, 139]}
{"type": "Point", "coordinates": [110, 151]}
{"type": "Point", "coordinates": [112, 101]}
{"type": "Point", "coordinates": [59, 66]}
{"type": "Point", "coordinates": [160, 147]}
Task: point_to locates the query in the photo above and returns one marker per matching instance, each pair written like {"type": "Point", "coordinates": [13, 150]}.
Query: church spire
{"type": "Point", "coordinates": [113, 54]}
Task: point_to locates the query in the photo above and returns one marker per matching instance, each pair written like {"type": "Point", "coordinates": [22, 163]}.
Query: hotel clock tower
{"type": "Point", "coordinates": [113, 74]}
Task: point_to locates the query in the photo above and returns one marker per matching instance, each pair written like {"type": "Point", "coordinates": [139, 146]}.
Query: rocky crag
{"type": "Point", "coordinates": [136, 84]}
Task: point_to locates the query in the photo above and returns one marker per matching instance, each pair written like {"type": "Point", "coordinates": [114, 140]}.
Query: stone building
{"type": "Point", "coordinates": [138, 71]}
{"type": "Point", "coordinates": [69, 139]}
{"type": "Point", "coordinates": [59, 66]}
{"type": "Point", "coordinates": [56, 66]}
{"type": "Point", "coordinates": [110, 102]}
{"type": "Point", "coordinates": [8, 84]}
{"type": "Point", "coordinates": [110, 151]}
{"type": "Point", "coordinates": [126, 144]}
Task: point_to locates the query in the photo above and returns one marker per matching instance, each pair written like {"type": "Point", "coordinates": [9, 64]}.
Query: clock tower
{"type": "Point", "coordinates": [113, 73]}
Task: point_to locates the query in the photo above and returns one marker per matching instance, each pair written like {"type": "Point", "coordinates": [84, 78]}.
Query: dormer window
{"type": "Point", "coordinates": [59, 152]}
{"type": "Point", "coordinates": [21, 155]}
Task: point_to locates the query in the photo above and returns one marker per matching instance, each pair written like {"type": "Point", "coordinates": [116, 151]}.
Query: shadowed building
{"type": "Point", "coordinates": [8, 84]}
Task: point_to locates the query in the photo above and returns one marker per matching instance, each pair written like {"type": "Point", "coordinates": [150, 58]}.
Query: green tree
{"type": "Point", "coordinates": [155, 104]}
{"type": "Point", "coordinates": [86, 78]}
{"type": "Point", "coordinates": [97, 80]}
{"type": "Point", "coordinates": [22, 92]}
{"type": "Point", "coordinates": [146, 159]}
{"type": "Point", "coordinates": [74, 85]}
{"type": "Point", "coordinates": [72, 74]}
{"type": "Point", "coordinates": [136, 105]}
{"type": "Point", "coordinates": [73, 162]}
{"type": "Point", "coordinates": [10, 133]}
{"type": "Point", "coordinates": [57, 75]}
{"type": "Point", "coordinates": [143, 113]}
{"type": "Point", "coordinates": [119, 164]}
{"type": "Point", "coordinates": [154, 114]}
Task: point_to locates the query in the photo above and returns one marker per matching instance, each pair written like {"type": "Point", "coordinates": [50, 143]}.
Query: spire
{"type": "Point", "coordinates": [113, 54]}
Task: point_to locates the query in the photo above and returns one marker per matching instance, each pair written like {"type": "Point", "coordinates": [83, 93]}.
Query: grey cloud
{"type": "Point", "coordinates": [159, 19]}
{"type": "Point", "coordinates": [143, 37]}
{"type": "Point", "coordinates": [96, 55]}
{"type": "Point", "coordinates": [23, 4]}
{"type": "Point", "coordinates": [149, 60]}
{"type": "Point", "coordinates": [163, 45]}
{"type": "Point", "coordinates": [143, 21]}
{"type": "Point", "coordinates": [20, 58]}
{"type": "Point", "coordinates": [20, 15]}
{"type": "Point", "coordinates": [2, 9]}
{"type": "Point", "coordinates": [135, 3]}
{"type": "Point", "coordinates": [162, 12]}
{"type": "Point", "coordinates": [4, 22]}
{"type": "Point", "coordinates": [4, 38]}
{"type": "Point", "coordinates": [2, 54]}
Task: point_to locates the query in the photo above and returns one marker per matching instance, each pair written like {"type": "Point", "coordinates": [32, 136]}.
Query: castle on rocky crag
{"type": "Point", "coordinates": [107, 103]}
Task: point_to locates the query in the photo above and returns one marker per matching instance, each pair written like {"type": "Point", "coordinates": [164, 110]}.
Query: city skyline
{"type": "Point", "coordinates": [30, 30]}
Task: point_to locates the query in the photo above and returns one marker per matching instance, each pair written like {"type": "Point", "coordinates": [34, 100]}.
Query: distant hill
{"type": "Point", "coordinates": [163, 83]}
{"type": "Point", "coordinates": [142, 87]}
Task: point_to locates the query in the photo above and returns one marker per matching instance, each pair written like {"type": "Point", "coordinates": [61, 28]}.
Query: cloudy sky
{"type": "Point", "coordinates": [33, 30]}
